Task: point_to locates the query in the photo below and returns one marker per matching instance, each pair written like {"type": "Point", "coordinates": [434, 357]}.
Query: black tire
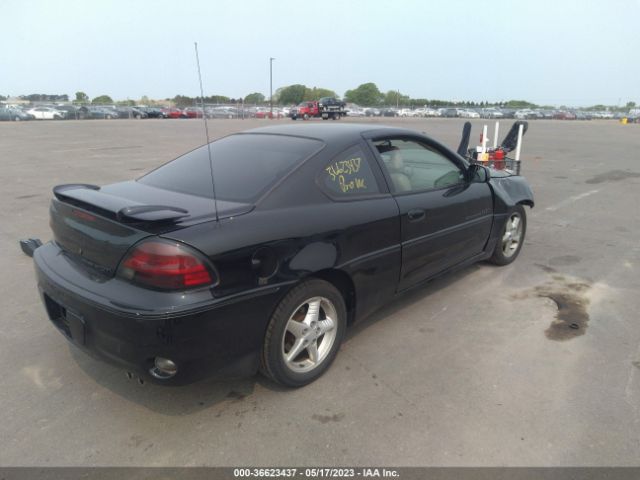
{"type": "Point", "coordinates": [17, 119]}
{"type": "Point", "coordinates": [273, 364]}
{"type": "Point", "coordinates": [305, 116]}
{"type": "Point", "coordinates": [500, 257]}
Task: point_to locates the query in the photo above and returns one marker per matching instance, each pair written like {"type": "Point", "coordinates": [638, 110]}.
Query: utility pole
{"type": "Point", "coordinates": [271, 59]}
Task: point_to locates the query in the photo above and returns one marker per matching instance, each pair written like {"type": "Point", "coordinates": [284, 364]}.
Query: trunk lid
{"type": "Point", "coordinates": [98, 225]}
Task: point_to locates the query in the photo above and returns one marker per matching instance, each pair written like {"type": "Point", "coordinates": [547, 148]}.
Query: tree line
{"type": "Point", "coordinates": [367, 94]}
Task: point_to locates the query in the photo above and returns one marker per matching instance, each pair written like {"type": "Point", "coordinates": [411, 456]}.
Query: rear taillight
{"type": "Point", "coordinates": [167, 266]}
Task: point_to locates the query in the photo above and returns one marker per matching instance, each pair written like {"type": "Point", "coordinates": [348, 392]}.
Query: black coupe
{"type": "Point", "coordinates": [257, 250]}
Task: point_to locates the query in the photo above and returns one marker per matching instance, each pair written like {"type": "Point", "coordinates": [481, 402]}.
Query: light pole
{"type": "Point", "coordinates": [271, 59]}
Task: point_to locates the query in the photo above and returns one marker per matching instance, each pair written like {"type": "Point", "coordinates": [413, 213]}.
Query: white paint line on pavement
{"type": "Point", "coordinates": [571, 200]}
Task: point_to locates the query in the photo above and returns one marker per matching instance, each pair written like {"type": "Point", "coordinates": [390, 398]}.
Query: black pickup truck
{"type": "Point", "coordinates": [330, 107]}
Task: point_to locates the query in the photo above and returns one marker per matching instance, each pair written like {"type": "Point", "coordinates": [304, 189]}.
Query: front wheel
{"type": "Point", "coordinates": [304, 334]}
{"type": "Point", "coordinates": [512, 237]}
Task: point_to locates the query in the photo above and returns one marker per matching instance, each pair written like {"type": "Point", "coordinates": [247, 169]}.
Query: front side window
{"type": "Point", "coordinates": [349, 175]}
{"type": "Point", "coordinates": [415, 167]}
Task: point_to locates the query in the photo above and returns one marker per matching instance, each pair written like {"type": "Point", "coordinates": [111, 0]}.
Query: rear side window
{"type": "Point", "coordinates": [349, 175]}
{"type": "Point", "coordinates": [245, 166]}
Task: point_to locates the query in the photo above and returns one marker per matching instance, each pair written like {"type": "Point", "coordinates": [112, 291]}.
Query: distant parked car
{"type": "Point", "coordinates": [171, 113]}
{"type": "Point", "coordinates": [372, 112]}
{"type": "Point", "coordinates": [192, 112]}
{"type": "Point", "coordinates": [266, 113]}
{"type": "Point", "coordinates": [449, 112]}
{"type": "Point", "coordinates": [580, 115]}
{"type": "Point", "coordinates": [47, 113]}
{"type": "Point", "coordinates": [406, 112]}
{"type": "Point", "coordinates": [426, 112]}
{"type": "Point", "coordinates": [389, 112]}
{"type": "Point", "coordinates": [72, 112]}
{"type": "Point", "coordinates": [464, 113]}
{"type": "Point", "coordinates": [152, 112]}
{"type": "Point", "coordinates": [13, 114]}
{"type": "Point", "coordinates": [491, 113]}
{"type": "Point", "coordinates": [564, 115]}
{"type": "Point", "coordinates": [224, 112]}
{"type": "Point", "coordinates": [130, 112]}
{"type": "Point", "coordinates": [525, 113]}
{"type": "Point", "coordinates": [101, 113]}
{"type": "Point", "coordinates": [355, 112]}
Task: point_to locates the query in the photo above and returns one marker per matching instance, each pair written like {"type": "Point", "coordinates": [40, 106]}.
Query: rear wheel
{"type": "Point", "coordinates": [304, 334]}
{"type": "Point", "coordinates": [512, 237]}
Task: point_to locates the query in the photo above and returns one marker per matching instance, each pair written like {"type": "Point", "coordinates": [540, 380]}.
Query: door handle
{"type": "Point", "coordinates": [416, 215]}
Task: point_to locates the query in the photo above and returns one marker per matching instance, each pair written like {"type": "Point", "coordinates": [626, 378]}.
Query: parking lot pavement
{"type": "Point", "coordinates": [464, 371]}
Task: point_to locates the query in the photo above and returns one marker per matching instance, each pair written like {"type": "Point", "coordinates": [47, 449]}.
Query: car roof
{"type": "Point", "coordinates": [331, 133]}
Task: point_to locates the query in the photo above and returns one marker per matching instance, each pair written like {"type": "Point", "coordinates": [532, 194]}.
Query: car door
{"type": "Point", "coordinates": [368, 244]}
{"type": "Point", "coordinates": [445, 218]}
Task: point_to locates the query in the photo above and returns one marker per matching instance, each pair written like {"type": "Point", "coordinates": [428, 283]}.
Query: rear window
{"type": "Point", "coordinates": [244, 166]}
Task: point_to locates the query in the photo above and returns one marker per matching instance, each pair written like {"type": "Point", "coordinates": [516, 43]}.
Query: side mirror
{"type": "Point", "coordinates": [478, 173]}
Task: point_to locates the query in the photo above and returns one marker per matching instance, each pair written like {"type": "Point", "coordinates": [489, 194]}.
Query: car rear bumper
{"type": "Point", "coordinates": [220, 338]}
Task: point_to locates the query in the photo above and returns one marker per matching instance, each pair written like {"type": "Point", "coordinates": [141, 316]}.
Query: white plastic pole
{"type": "Point", "coordinates": [484, 139]}
{"type": "Point", "coordinates": [495, 135]}
{"type": "Point", "coordinates": [519, 144]}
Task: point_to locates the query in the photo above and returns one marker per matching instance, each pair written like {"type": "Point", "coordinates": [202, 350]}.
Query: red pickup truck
{"type": "Point", "coordinates": [326, 107]}
{"type": "Point", "coordinates": [304, 110]}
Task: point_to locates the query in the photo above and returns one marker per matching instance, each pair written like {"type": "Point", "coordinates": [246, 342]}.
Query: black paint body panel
{"type": "Point", "coordinates": [367, 246]}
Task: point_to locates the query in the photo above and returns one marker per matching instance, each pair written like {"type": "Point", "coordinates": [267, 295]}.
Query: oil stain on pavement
{"type": "Point", "coordinates": [570, 296]}
{"type": "Point", "coordinates": [328, 418]}
{"type": "Point", "coordinates": [612, 176]}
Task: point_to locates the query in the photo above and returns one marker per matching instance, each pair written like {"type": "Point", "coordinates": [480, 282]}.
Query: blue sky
{"type": "Point", "coordinates": [549, 52]}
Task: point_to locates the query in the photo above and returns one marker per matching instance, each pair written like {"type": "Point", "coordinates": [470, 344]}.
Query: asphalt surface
{"type": "Point", "coordinates": [465, 371]}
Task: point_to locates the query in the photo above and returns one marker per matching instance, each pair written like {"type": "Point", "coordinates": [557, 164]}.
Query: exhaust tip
{"type": "Point", "coordinates": [163, 368]}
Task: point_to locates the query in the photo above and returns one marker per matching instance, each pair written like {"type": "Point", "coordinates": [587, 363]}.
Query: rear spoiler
{"type": "Point", "coordinates": [90, 197]}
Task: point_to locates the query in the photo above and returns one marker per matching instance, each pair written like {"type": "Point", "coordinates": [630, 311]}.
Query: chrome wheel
{"type": "Point", "coordinates": [309, 334]}
{"type": "Point", "coordinates": [512, 235]}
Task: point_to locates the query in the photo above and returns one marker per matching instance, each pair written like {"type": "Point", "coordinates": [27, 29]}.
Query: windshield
{"type": "Point", "coordinates": [244, 166]}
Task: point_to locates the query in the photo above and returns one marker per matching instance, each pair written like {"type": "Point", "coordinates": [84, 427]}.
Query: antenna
{"type": "Point", "coordinates": [206, 131]}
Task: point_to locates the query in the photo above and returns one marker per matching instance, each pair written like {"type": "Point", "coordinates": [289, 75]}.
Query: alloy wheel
{"type": "Point", "coordinates": [309, 334]}
{"type": "Point", "coordinates": [512, 235]}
